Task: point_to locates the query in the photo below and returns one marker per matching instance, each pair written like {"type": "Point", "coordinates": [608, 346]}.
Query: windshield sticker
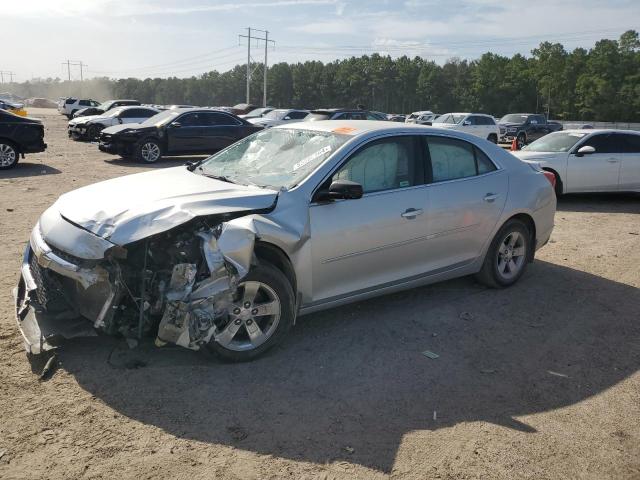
{"type": "Point", "coordinates": [344, 130]}
{"type": "Point", "coordinates": [312, 157]}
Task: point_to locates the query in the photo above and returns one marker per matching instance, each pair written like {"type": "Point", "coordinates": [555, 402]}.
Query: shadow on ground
{"type": "Point", "coordinates": [600, 202]}
{"type": "Point", "coordinates": [162, 163]}
{"type": "Point", "coordinates": [355, 376]}
{"type": "Point", "coordinates": [26, 169]}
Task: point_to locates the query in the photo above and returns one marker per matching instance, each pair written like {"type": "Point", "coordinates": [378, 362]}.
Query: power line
{"type": "Point", "coordinates": [266, 41]}
{"type": "Point", "coordinates": [6, 72]}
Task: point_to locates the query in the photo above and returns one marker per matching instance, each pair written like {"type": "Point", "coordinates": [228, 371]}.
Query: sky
{"type": "Point", "coordinates": [160, 38]}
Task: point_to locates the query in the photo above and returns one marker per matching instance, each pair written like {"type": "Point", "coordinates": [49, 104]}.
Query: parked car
{"type": "Point", "coordinates": [15, 108]}
{"type": "Point", "coordinates": [525, 128]}
{"type": "Point", "coordinates": [478, 124]}
{"type": "Point", "coordinates": [88, 128]}
{"type": "Point", "coordinates": [18, 136]}
{"type": "Point", "coordinates": [242, 108]}
{"type": "Point", "coordinates": [257, 113]}
{"type": "Point", "coordinates": [424, 117]}
{"type": "Point", "coordinates": [396, 118]}
{"type": "Point", "coordinates": [279, 116]}
{"type": "Point", "coordinates": [104, 107]}
{"type": "Point", "coordinates": [342, 114]}
{"type": "Point", "coordinates": [588, 160]}
{"type": "Point", "coordinates": [175, 132]}
{"type": "Point", "coordinates": [225, 253]}
{"type": "Point", "coordinates": [69, 106]}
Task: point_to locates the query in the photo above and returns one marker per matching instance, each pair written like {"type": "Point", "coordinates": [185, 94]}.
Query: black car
{"type": "Point", "coordinates": [19, 135]}
{"type": "Point", "coordinates": [103, 107]}
{"type": "Point", "coordinates": [525, 128]}
{"type": "Point", "coordinates": [182, 131]}
{"type": "Point", "coordinates": [343, 114]}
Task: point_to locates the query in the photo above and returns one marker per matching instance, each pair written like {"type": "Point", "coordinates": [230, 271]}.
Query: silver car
{"type": "Point", "coordinates": [226, 253]}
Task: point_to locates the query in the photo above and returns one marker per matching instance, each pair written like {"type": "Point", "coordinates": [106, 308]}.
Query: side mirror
{"type": "Point", "coordinates": [586, 150]}
{"type": "Point", "coordinates": [341, 190]}
{"type": "Point", "coordinates": [466, 123]}
{"type": "Point", "coordinates": [287, 118]}
{"type": "Point", "coordinates": [176, 125]}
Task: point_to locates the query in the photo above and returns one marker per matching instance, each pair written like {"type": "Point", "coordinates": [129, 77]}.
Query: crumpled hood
{"type": "Point", "coordinates": [133, 207]}
{"type": "Point", "coordinates": [86, 119]}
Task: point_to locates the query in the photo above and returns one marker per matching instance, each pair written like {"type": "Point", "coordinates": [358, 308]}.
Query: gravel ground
{"type": "Point", "coordinates": [537, 381]}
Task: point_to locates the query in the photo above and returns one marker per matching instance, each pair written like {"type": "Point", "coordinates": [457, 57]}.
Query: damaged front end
{"type": "Point", "coordinates": [176, 286]}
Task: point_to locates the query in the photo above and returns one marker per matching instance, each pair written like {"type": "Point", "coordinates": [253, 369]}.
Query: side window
{"type": "Point", "coordinates": [471, 120]}
{"type": "Point", "coordinates": [371, 116]}
{"type": "Point", "coordinates": [484, 164]}
{"type": "Point", "coordinates": [358, 116]}
{"type": "Point", "coordinates": [190, 120]}
{"type": "Point", "coordinates": [630, 143]}
{"type": "Point", "coordinates": [84, 103]}
{"type": "Point", "coordinates": [452, 159]}
{"type": "Point", "coordinates": [219, 119]}
{"type": "Point", "coordinates": [297, 115]}
{"type": "Point", "coordinates": [383, 165]}
{"type": "Point", "coordinates": [603, 143]}
{"type": "Point", "coordinates": [342, 116]}
{"type": "Point", "coordinates": [488, 121]}
{"type": "Point", "coordinates": [69, 101]}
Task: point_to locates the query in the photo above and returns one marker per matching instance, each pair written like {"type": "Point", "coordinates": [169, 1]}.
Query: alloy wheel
{"type": "Point", "coordinates": [150, 152]}
{"type": "Point", "coordinates": [7, 155]}
{"type": "Point", "coordinates": [253, 317]}
{"type": "Point", "coordinates": [511, 255]}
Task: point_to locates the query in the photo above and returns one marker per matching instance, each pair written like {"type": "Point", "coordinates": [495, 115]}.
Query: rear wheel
{"type": "Point", "coordinates": [8, 155]}
{"type": "Point", "coordinates": [260, 316]}
{"type": "Point", "coordinates": [507, 256]}
{"type": "Point", "coordinates": [148, 151]}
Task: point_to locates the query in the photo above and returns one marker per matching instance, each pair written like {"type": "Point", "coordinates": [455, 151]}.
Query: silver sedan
{"type": "Point", "coordinates": [225, 253]}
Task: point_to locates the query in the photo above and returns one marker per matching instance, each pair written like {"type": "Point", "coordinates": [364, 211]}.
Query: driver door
{"type": "Point", "coordinates": [185, 134]}
{"type": "Point", "coordinates": [594, 172]}
{"type": "Point", "coordinates": [380, 238]}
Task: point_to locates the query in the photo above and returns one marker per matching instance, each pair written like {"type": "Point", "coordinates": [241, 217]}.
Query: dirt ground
{"type": "Point", "coordinates": [537, 381]}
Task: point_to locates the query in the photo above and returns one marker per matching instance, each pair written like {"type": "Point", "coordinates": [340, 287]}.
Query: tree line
{"type": "Point", "coordinates": [602, 84]}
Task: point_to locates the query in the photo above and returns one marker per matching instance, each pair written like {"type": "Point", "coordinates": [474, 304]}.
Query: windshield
{"type": "Point", "coordinates": [257, 112]}
{"type": "Point", "coordinates": [514, 118]}
{"type": "Point", "coordinates": [449, 118]}
{"type": "Point", "coordinates": [113, 113]}
{"type": "Point", "coordinates": [276, 114]}
{"type": "Point", "coordinates": [275, 157]}
{"type": "Point", "coordinates": [555, 142]}
{"type": "Point", "coordinates": [160, 119]}
{"type": "Point", "coordinates": [105, 106]}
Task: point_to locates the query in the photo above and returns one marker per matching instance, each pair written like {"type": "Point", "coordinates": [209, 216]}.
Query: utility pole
{"type": "Point", "coordinates": [266, 41]}
{"type": "Point", "coordinates": [75, 63]}
{"type": "Point", "coordinates": [68, 63]}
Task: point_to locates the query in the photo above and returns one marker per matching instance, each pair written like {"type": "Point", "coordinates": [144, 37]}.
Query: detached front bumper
{"type": "Point", "coordinates": [42, 329]}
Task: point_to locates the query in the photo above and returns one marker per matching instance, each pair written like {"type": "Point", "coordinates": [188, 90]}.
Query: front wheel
{"type": "Point", "coordinates": [260, 316]}
{"type": "Point", "coordinates": [148, 151]}
{"type": "Point", "coordinates": [93, 131]}
{"type": "Point", "coordinates": [493, 138]}
{"type": "Point", "coordinates": [521, 141]}
{"type": "Point", "coordinates": [8, 155]}
{"type": "Point", "coordinates": [507, 256]}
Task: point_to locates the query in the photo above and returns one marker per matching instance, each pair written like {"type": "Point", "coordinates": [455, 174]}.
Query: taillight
{"type": "Point", "coordinates": [551, 177]}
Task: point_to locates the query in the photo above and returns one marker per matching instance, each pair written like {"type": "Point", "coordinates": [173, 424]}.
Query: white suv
{"type": "Point", "coordinates": [69, 106]}
{"type": "Point", "coordinates": [478, 124]}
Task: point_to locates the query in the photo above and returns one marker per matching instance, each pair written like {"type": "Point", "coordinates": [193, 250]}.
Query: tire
{"type": "Point", "coordinates": [73, 112]}
{"type": "Point", "coordinates": [148, 151]}
{"type": "Point", "coordinates": [9, 155]}
{"type": "Point", "coordinates": [521, 140]}
{"type": "Point", "coordinates": [234, 343]}
{"type": "Point", "coordinates": [493, 138]}
{"type": "Point", "coordinates": [494, 272]}
{"type": "Point", "coordinates": [558, 188]}
{"type": "Point", "coordinates": [93, 131]}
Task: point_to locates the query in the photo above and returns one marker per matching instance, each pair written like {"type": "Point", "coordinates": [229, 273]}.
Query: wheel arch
{"type": "Point", "coordinates": [13, 143]}
{"type": "Point", "coordinates": [559, 185]}
{"type": "Point", "coordinates": [531, 226]}
{"type": "Point", "coordinates": [279, 259]}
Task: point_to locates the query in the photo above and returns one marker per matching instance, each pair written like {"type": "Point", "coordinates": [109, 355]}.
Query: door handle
{"type": "Point", "coordinates": [411, 213]}
{"type": "Point", "coordinates": [490, 197]}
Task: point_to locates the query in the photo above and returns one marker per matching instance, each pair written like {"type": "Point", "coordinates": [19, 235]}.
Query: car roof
{"type": "Point", "coordinates": [362, 127]}
{"type": "Point", "coordinates": [336, 110]}
{"type": "Point", "coordinates": [598, 130]}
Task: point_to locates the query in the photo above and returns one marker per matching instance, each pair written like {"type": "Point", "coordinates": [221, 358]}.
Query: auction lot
{"type": "Point", "coordinates": [536, 381]}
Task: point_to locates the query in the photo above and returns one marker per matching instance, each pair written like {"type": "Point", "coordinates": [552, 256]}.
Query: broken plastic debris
{"type": "Point", "coordinates": [430, 354]}
{"type": "Point", "coordinates": [349, 449]}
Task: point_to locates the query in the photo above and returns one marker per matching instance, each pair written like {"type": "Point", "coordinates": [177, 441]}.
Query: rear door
{"type": "Point", "coordinates": [380, 238]}
{"type": "Point", "coordinates": [595, 172]}
{"type": "Point", "coordinates": [221, 131]}
{"type": "Point", "coordinates": [630, 158]}
{"type": "Point", "coordinates": [467, 193]}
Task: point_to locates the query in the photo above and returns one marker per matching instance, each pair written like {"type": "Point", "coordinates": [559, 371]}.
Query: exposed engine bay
{"type": "Point", "coordinates": [176, 286]}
